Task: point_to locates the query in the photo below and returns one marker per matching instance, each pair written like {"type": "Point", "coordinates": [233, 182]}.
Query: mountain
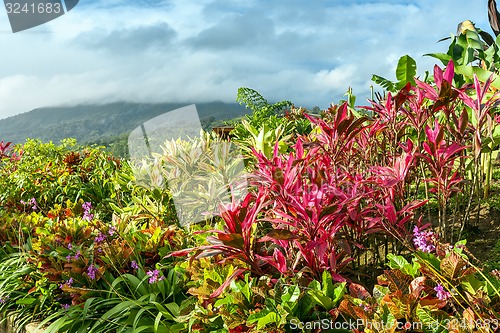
{"type": "Point", "coordinates": [107, 124]}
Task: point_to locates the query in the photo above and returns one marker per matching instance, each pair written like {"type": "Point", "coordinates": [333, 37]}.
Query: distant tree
{"type": "Point", "coordinates": [316, 110]}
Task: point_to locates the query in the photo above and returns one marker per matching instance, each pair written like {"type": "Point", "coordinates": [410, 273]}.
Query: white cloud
{"type": "Point", "coordinates": [188, 51]}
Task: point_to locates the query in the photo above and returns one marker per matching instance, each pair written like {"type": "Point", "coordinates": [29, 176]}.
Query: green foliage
{"type": "Point", "coordinates": [326, 294]}
{"type": "Point", "coordinates": [267, 125]}
{"type": "Point", "coordinates": [494, 262]}
{"type": "Point", "coordinates": [131, 305]}
{"type": "Point", "coordinates": [261, 109]}
{"type": "Point", "coordinates": [406, 71]}
{"type": "Point", "coordinates": [399, 262]}
{"type": "Point", "coordinates": [472, 55]}
{"type": "Point", "coordinates": [53, 174]}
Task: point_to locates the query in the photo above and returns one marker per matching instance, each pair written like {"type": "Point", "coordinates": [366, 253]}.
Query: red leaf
{"type": "Point", "coordinates": [358, 291]}
{"type": "Point", "coordinates": [226, 283]}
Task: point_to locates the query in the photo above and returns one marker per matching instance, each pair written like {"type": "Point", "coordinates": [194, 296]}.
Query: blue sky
{"type": "Point", "coordinates": [308, 52]}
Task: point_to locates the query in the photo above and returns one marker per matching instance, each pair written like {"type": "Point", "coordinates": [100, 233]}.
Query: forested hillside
{"type": "Point", "coordinates": [107, 124]}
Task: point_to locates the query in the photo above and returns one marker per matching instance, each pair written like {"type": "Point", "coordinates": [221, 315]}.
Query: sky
{"type": "Point", "coordinates": [306, 51]}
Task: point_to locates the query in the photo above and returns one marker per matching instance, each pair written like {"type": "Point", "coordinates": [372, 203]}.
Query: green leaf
{"type": "Point", "coordinates": [379, 292]}
{"type": "Point", "coordinates": [157, 322]}
{"type": "Point", "coordinates": [327, 283]}
{"type": "Point", "coordinates": [271, 317]}
{"type": "Point", "coordinates": [386, 84]}
{"type": "Point", "coordinates": [482, 74]}
{"type": "Point", "coordinates": [252, 99]}
{"type": "Point", "coordinates": [430, 259]}
{"type": "Point", "coordinates": [26, 301]}
{"type": "Point", "coordinates": [473, 40]}
{"type": "Point", "coordinates": [339, 292]}
{"type": "Point", "coordinates": [137, 316]}
{"type": "Point", "coordinates": [399, 262]}
{"type": "Point", "coordinates": [132, 281]}
{"type": "Point", "coordinates": [431, 322]}
{"type": "Point", "coordinates": [291, 295]}
{"type": "Point", "coordinates": [396, 262]}
{"type": "Point", "coordinates": [406, 71]}
{"type": "Point", "coordinates": [229, 299]}
{"type": "Point", "coordinates": [314, 285]}
{"type": "Point", "coordinates": [320, 299]}
{"type": "Point", "coordinates": [443, 57]}
{"type": "Point", "coordinates": [471, 284]}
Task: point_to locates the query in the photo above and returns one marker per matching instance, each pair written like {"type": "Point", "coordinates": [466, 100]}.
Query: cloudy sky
{"type": "Point", "coordinates": [306, 51]}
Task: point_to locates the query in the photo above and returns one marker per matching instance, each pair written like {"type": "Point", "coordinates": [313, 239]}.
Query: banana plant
{"type": "Point", "coordinates": [406, 71]}
{"type": "Point", "coordinates": [266, 125]}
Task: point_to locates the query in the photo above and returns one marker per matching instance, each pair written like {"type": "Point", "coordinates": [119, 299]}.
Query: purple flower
{"type": "Point", "coordinates": [134, 265]}
{"type": "Point", "coordinates": [154, 276]}
{"type": "Point", "coordinates": [91, 271]}
{"type": "Point", "coordinates": [68, 283]}
{"type": "Point", "coordinates": [31, 202]}
{"type": "Point", "coordinates": [77, 255]}
{"type": "Point", "coordinates": [70, 246]}
{"type": "Point", "coordinates": [100, 238]}
{"type": "Point", "coordinates": [112, 231]}
{"type": "Point", "coordinates": [66, 306]}
{"type": "Point", "coordinates": [87, 207]}
{"type": "Point", "coordinates": [424, 240]}
{"type": "Point", "coordinates": [4, 299]}
{"type": "Point", "coordinates": [441, 293]}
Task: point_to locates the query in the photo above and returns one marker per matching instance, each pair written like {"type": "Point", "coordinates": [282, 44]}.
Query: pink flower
{"type": "Point", "coordinates": [87, 207]}
{"type": "Point", "coordinates": [154, 276]}
{"type": "Point", "coordinates": [424, 240]}
{"type": "Point", "coordinates": [77, 255]}
{"type": "Point", "coordinates": [112, 231]}
{"type": "Point", "coordinates": [31, 202]}
{"type": "Point", "coordinates": [441, 293]}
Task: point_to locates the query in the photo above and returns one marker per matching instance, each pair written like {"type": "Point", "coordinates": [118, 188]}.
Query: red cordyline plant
{"type": "Point", "coordinates": [4, 148]}
{"type": "Point", "coordinates": [442, 121]}
{"type": "Point", "coordinates": [238, 239]}
{"type": "Point", "coordinates": [317, 205]}
{"type": "Point", "coordinates": [483, 106]}
{"type": "Point", "coordinates": [7, 152]}
{"type": "Point", "coordinates": [327, 204]}
{"type": "Point", "coordinates": [468, 122]}
{"type": "Point", "coordinates": [339, 133]}
{"type": "Point", "coordinates": [311, 206]}
{"type": "Point", "coordinates": [445, 98]}
{"type": "Point", "coordinates": [389, 124]}
{"type": "Point", "coordinates": [440, 157]}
